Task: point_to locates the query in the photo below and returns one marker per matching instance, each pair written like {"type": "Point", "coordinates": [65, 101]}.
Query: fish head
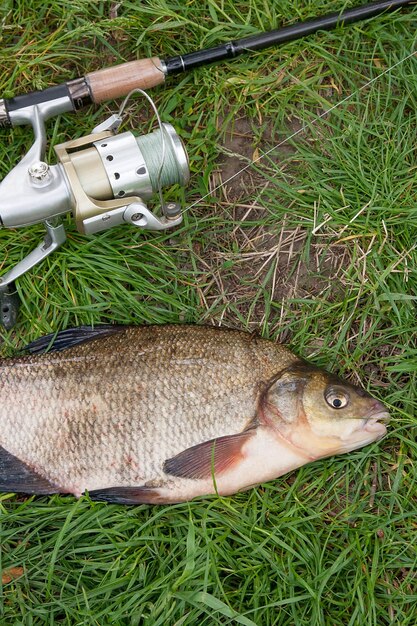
{"type": "Point", "coordinates": [321, 414]}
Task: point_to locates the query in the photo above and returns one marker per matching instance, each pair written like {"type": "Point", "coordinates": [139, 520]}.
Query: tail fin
{"type": "Point", "coordinates": [16, 476]}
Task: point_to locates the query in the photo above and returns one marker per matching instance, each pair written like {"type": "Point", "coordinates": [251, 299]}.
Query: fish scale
{"type": "Point", "coordinates": [115, 411]}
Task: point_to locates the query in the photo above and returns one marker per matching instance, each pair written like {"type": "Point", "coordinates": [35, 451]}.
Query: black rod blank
{"type": "Point", "coordinates": [233, 49]}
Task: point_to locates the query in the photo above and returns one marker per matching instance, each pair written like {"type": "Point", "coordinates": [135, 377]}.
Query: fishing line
{"type": "Point", "coordinates": [300, 130]}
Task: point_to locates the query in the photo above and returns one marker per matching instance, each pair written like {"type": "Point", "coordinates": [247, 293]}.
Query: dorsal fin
{"type": "Point", "coordinates": [70, 337]}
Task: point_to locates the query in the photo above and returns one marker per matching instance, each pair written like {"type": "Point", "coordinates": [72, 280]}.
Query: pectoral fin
{"type": "Point", "coordinates": [208, 458]}
{"type": "Point", "coordinates": [16, 476]}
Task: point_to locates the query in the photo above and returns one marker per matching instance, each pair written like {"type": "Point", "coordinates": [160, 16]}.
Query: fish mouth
{"type": "Point", "coordinates": [376, 422]}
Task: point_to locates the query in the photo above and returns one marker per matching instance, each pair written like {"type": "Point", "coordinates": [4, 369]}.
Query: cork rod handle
{"type": "Point", "coordinates": [117, 81]}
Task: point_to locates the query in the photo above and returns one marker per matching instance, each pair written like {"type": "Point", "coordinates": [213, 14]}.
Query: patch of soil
{"type": "Point", "coordinates": [245, 270]}
{"type": "Point", "coordinates": [236, 176]}
{"type": "Point", "coordinates": [248, 265]}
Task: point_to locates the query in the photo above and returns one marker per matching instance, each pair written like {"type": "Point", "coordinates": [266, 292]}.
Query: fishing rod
{"type": "Point", "coordinates": [106, 179]}
{"type": "Point", "coordinates": [117, 81]}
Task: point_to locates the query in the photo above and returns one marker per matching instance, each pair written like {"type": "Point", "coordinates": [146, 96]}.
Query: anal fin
{"type": "Point", "coordinates": [128, 495]}
{"type": "Point", "coordinates": [16, 476]}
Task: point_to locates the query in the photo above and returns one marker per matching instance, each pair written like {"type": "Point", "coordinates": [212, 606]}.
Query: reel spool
{"type": "Point", "coordinates": [111, 176]}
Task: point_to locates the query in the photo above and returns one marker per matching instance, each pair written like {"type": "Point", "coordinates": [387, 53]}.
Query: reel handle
{"type": "Point", "coordinates": [114, 82]}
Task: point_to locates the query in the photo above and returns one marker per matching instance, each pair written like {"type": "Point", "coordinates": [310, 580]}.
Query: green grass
{"type": "Point", "coordinates": [325, 259]}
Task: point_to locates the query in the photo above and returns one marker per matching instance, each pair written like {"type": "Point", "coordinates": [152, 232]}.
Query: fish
{"type": "Point", "coordinates": [162, 414]}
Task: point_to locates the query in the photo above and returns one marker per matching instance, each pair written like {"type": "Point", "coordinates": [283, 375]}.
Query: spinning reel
{"type": "Point", "coordinates": [104, 179]}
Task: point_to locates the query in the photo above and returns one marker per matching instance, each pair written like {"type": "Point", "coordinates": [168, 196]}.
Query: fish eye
{"type": "Point", "coordinates": [336, 398]}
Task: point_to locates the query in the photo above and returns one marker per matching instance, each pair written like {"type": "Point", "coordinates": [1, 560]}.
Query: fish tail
{"type": "Point", "coordinates": [17, 476]}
